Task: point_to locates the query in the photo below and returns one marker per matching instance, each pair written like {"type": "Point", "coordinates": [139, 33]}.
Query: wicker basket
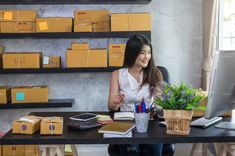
{"type": "Point", "coordinates": [178, 121]}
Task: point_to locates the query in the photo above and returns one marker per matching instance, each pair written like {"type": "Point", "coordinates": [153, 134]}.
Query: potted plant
{"type": "Point", "coordinates": [178, 103]}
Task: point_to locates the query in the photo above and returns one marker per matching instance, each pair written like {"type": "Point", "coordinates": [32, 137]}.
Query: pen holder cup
{"type": "Point", "coordinates": [141, 122]}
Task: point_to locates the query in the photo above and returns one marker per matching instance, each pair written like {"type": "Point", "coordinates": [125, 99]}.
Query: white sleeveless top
{"type": "Point", "coordinates": [131, 89]}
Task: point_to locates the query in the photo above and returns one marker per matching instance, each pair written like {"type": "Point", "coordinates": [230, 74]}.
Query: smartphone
{"type": "Point", "coordinates": [83, 117]}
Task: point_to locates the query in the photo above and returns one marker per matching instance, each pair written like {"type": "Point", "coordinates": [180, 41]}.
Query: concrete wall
{"type": "Point", "coordinates": [177, 45]}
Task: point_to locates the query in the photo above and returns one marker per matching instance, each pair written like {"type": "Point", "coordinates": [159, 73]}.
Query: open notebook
{"type": "Point", "coordinates": [124, 116]}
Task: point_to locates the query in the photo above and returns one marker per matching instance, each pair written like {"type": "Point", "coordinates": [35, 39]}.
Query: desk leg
{"type": "Point", "coordinates": [193, 149]}
{"type": "Point", "coordinates": [204, 149]}
{"type": "Point", "coordinates": [74, 150]}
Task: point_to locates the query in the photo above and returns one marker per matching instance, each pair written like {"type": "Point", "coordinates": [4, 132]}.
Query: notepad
{"type": "Point", "coordinates": [124, 116]}
{"type": "Point", "coordinates": [121, 128]}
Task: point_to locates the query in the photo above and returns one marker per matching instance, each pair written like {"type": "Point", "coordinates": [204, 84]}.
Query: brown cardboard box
{"type": "Point", "coordinates": [83, 26]}
{"type": "Point", "coordinates": [4, 95]}
{"type": "Point", "coordinates": [13, 60]}
{"type": "Point", "coordinates": [51, 126]}
{"type": "Point", "coordinates": [17, 27]}
{"type": "Point", "coordinates": [100, 26]}
{"type": "Point", "coordinates": [18, 15]}
{"type": "Point", "coordinates": [131, 22]}
{"type": "Point", "coordinates": [26, 125]}
{"type": "Point", "coordinates": [63, 24]}
{"type": "Point", "coordinates": [0, 150]}
{"type": "Point", "coordinates": [140, 22]}
{"type": "Point", "coordinates": [13, 150]}
{"type": "Point", "coordinates": [51, 62]}
{"type": "Point", "coordinates": [75, 46]}
{"type": "Point", "coordinates": [116, 54]}
{"type": "Point", "coordinates": [91, 15]}
{"type": "Point", "coordinates": [97, 58]}
{"type": "Point", "coordinates": [86, 58]}
{"type": "Point", "coordinates": [1, 51]}
{"type": "Point", "coordinates": [32, 150]}
{"type": "Point", "coordinates": [76, 58]}
{"type": "Point", "coordinates": [35, 94]}
{"type": "Point", "coordinates": [119, 22]}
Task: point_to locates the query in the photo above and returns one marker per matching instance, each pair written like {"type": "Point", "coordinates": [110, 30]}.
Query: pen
{"type": "Point", "coordinates": [143, 106]}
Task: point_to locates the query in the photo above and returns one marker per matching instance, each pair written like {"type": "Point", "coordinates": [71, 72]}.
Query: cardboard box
{"type": "Point", "coordinates": [51, 126]}
{"type": "Point", "coordinates": [0, 150]}
{"type": "Point", "coordinates": [91, 15]}
{"type": "Point", "coordinates": [97, 58]}
{"type": "Point", "coordinates": [18, 27]}
{"type": "Point", "coordinates": [51, 62]}
{"type": "Point", "coordinates": [76, 58]}
{"type": "Point", "coordinates": [18, 15]}
{"type": "Point", "coordinates": [26, 125]}
{"type": "Point", "coordinates": [32, 150]}
{"type": "Point", "coordinates": [83, 26]}
{"type": "Point", "coordinates": [75, 46]}
{"type": "Point", "coordinates": [13, 60]}
{"type": "Point", "coordinates": [13, 150]}
{"type": "Point", "coordinates": [63, 24]}
{"type": "Point", "coordinates": [101, 26]}
{"type": "Point", "coordinates": [4, 95]}
{"type": "Point", "coordinates": [35, 94]}
{"type": "Point", "coordinates": [116, 54]}
{"type": "Point", "coordinates": [131, 22]}
{"type": "Point", "coordinates": [86, 58]}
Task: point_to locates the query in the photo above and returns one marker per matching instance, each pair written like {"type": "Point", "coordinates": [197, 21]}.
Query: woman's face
{"type": "Point", "coordinates": [144, 56]}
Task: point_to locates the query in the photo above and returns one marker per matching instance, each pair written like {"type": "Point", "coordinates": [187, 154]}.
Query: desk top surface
{"type": "Point", "coordinates": [156, 134]}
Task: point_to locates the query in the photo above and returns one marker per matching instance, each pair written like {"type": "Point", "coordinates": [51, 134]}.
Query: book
{"type": "Point", "coordinates": [104, 119]}
{"type": "Point", "coordinates": [111, 135]}
{"type": "Point", "coordinates": [117, 128]}
{"type": "Point", "coordinates": [124, 116]}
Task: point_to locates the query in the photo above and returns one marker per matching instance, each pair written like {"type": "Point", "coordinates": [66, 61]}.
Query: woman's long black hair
{"type": "Point", "coordinates": [151, 74]}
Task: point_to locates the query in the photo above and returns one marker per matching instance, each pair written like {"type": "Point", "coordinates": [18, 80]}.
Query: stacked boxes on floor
{"type": "Point", "coordinates": [91, 21]}
{"type": "Point", "coordinates": [54, 24]}
{"type": "Point", "coordinates": [131, 22]}
{"type": "Point", "coordinates": [15, 60]}
{"type": "Point", "coordinates": [17, 21]}
{"type": "Point", "coordinates": [81, 56]}
{"type": "Point", "coordinates": [20, 150]}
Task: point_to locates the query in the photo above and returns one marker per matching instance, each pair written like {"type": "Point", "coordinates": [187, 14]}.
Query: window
{"type": "Point", "coordinates": [227, 25]}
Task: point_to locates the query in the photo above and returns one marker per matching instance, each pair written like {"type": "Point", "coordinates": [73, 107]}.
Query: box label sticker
{"type": "Point", "coordinates": [43, 26]}
{"type": "Point", "coordinates": [7, 15]}
{"type": "Point", "coordinates": [20, 96]}
{"type": "Point", "coordinates": [46, 60]}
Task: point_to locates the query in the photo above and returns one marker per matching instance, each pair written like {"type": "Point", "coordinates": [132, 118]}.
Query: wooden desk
{"type": "Point", "coordinates": [156, 134]}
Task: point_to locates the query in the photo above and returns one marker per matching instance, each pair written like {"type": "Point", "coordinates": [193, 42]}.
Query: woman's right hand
{"type": "Point", "coordinates": [118, 100]}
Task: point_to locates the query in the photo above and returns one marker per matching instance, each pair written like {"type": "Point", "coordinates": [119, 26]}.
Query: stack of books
{"type": "Point", "coordinates": [117, 130]}
{"type": "Point", "coordinates": [104, 119]}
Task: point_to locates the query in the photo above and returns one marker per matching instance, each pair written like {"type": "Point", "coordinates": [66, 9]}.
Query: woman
{"type": "Point", "coordinates": [137, 80]}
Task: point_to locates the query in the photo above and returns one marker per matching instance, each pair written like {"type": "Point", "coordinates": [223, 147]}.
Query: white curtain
{"type": "Point", "coordinates": [210, 14]}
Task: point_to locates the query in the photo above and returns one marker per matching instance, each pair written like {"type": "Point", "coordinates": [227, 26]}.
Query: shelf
{"type": "Point", "coordinates": [57, 70]}
{"type": "Point", "coordinates": [52, 103]}
{"type": "Point", "coordinates": [55, 2]}
{"type": "Point", "coordinates": [74, 35]}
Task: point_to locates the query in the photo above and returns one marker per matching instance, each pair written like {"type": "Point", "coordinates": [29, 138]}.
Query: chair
{"type": "Point", "coordinates": [165, 73]}
{"type": "Point", "coordinates": [168, 149]}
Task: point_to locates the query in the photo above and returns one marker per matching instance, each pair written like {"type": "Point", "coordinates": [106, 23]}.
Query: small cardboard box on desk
{"type": "Point", "coordinates": [26, 125]}
{"type": "Point", "coordinates": [51, 126]}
